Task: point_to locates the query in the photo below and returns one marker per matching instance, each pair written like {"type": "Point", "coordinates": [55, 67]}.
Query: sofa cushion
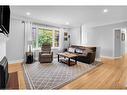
{"type": "Point", "coordinates": [71, 50]}
{"type": "Point", "coordinates": [87, 55]}
{"type": "Point", "coordinates": [80, 51]}
{"type": "Point", "coordinates": [88, 50]}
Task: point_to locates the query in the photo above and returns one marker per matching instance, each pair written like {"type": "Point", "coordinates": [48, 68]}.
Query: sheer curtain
{"type": "Point", "coordinates": [28, 34]}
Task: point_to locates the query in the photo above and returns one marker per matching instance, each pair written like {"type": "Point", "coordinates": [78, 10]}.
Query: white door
{"type": "Point", "coordinates": [123, 33]}
{"type": "Point", "coordinates": [117, 42]}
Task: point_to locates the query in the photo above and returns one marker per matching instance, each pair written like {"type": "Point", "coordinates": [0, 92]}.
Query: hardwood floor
{"type": "Point", "coordinates": [112, 74]}
{"type": "Point", "coordinates": [18, 68]}
{"type": "Point", "coordinates": [13, 81]}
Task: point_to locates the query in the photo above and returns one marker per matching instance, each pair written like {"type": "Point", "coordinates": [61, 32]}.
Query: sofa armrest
{"type": "Point", "coordinates": [91, 56]}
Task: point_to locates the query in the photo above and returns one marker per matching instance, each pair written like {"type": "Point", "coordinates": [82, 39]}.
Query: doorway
{"type": "Point", "coordinates": [119, 42]}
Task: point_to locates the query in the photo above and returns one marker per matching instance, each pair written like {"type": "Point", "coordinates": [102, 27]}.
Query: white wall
{"type": "Point", "coordinates": [65, 43]}
{"type": "Point", "coordinates": [2, 46]}
{"type": "Point", "coordinates": [15, 44]}
{"type": "Point", "coordinates": [75, 36]}
{"type": "Point", "coordinates": [103, 36]}
{"type": "Point", "coordinates": [126, 40]}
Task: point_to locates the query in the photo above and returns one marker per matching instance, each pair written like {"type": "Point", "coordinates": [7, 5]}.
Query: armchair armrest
{"type": "Point", "coordinates": [52, 55]}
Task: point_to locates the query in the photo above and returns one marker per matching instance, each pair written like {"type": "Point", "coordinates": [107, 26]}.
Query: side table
{"type": "Point", "coordinates": [29, 57]}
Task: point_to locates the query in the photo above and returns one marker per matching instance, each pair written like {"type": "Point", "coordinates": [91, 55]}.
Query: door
{"type": "Point", "coordinates": [123, 33]}
{"type": "Point", "coordinates": [117, 42]}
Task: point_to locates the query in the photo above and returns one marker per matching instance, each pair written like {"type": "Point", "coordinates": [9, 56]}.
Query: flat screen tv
{"type": "Point", "coordinates": [4, 19]}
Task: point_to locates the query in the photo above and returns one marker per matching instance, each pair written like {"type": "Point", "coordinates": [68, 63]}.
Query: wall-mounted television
{"type": "Point", "coordinates": [4, 19]}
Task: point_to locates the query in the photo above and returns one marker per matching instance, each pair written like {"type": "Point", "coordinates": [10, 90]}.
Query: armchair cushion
{"type": "Point", "coordinates": [45, 52]}
{"type": "Point", "coordinates": [46, 55]}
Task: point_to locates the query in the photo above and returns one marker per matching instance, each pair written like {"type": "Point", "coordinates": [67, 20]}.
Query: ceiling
{"type": "Point", "coordinates": [75, 15]}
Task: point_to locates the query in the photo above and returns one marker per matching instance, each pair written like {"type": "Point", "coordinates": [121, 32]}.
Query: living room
{"type": "Point", "coordinates": [88, 30]}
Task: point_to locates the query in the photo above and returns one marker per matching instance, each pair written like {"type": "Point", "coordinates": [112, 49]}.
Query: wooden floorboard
{"type": "Point", "coordinates": [13, 81]}
{"type": "Point", "coordinates": [112, 74]}
{"type": "Point", "coordinates": [17, 67]}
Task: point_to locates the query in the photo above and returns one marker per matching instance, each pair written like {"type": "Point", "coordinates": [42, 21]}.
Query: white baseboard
{"type": "Point", "coordinates": [15, 61]}
{"type": "Point", "coordinates": [109, 57]}
{"type": "Point", "coordinates": [98, 59]}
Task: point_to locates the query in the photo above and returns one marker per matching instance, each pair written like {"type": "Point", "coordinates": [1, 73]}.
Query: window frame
{"type": "Point", "coordinates": [53, 38]}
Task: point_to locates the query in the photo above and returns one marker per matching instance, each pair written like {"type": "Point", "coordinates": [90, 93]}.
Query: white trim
{"type": "Point", "coordinates": [47, 27]}
{"type": "Point", "coordinates": [29, 79]}
{"type": "Point", "coordinates": [109, 57]}
{"type": "Point", "coordinates": [114, 39]}
{"type": "Point", "coordinates": [98, 59]}
{"type": "Point", "coordinates": [15, 61]}
{"type": "Point", "coordinates": [53, 36]}
{"type": "Point", "coordinates": [109, 23]}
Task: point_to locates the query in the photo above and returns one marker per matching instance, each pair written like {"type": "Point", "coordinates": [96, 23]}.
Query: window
{"type": "Point", "coordinates": [45, 35]}
{"type": "Point", "coordinates": [56, 38]}
{"type": "Point", "coordinates": [34, 36]}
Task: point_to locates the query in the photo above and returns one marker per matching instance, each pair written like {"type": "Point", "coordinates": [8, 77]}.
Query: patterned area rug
{"type": "Point", "coordinates": [54, 75]}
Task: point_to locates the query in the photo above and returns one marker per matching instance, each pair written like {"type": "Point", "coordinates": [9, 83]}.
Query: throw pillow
{"type": "Point", "coordinates": [79, 51]}
{"type": "Point", "coordinates": [71, 50]}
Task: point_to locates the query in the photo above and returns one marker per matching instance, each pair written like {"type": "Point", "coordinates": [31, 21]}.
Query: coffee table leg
{"type": "Point", "coordinates": [58, 58]}
{"type": "Point", "coordinates": [75, 60]}
{"type": "Point", "coordinates": [69, 61]}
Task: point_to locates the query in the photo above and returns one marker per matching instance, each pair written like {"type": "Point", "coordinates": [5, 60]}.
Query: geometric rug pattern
{"type": "Point", "coordinates": [53, 75]}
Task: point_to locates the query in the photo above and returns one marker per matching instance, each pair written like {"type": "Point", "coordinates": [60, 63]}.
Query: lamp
{"type": "Point", "coordinates": [29, 46]}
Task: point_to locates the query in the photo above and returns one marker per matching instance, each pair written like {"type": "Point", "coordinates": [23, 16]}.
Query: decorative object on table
{"type": "Point", "coordinates": [46, 56]}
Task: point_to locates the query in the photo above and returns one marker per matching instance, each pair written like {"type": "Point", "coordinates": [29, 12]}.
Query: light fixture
{"type": "Point", "coordinates": [105, 10]}
{"type": "Point", "coordinates": [67, 23]}
{"type": "Point", "coordinates": [27, 13]}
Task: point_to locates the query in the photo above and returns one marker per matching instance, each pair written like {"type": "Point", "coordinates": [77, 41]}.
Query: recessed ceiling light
{"type": "Point", "coordinates": [67, 23]}
{"type": "Point", "coordinates": [105, 10]}
{"type": "Point", "coordinates": [28, 13]}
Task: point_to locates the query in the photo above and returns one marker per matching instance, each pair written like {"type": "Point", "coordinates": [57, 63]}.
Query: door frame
{"type": "Point", "coordinates": [113, 55]}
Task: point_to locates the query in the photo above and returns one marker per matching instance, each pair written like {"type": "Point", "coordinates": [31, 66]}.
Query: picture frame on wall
{"type": "Point", "coordinates": [65, 39]}
{"type": "Point", "coordinates": [123, 36]}
{"type": "Point", "coordinates": [65, 33]}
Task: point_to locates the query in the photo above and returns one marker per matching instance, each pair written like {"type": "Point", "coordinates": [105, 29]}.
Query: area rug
{"type": "Point", "coordinates": [54, 75]}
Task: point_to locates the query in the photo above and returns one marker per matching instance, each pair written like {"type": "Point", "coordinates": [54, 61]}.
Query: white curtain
{"type": "Point", "coordinates": [28, 34]}
{"type": "Point", "coordinates": [3, 39]}
{"type": "Point", "coordinates": [61, 39]}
